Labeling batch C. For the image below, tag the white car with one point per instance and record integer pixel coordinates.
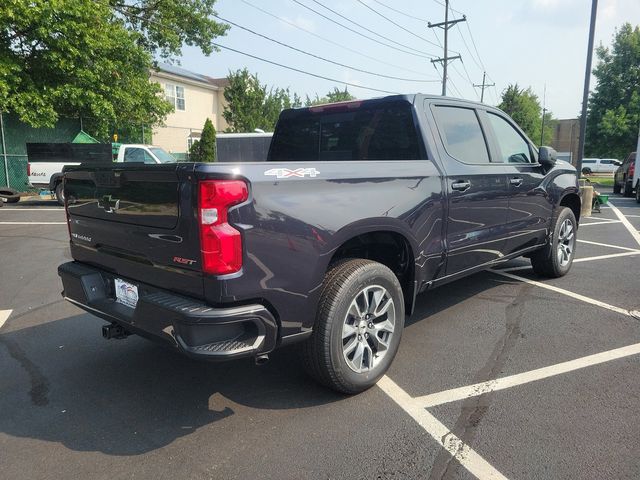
(48, 175)
(600, 165)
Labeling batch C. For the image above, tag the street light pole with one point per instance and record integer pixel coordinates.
(585, 93)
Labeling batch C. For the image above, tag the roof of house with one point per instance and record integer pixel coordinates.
(181, 72)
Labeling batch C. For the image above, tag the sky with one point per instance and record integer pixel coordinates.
(534, 43)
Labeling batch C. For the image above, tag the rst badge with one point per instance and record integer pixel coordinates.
(288, 173)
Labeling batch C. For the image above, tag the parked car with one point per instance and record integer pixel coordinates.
(625, 179)
(599, 165)
(47, 161)
(360, 206)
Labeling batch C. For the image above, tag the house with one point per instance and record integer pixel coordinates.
(565, 139)
(195, 98)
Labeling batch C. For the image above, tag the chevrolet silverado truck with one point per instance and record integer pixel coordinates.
(360, 207)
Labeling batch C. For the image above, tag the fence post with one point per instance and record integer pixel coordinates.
(4, 151)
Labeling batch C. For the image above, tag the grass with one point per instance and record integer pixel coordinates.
(601, 181)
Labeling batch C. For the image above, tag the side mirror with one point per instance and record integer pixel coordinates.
(547, 157)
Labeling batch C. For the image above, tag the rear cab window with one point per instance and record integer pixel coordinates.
(350, 131)
(461, 133)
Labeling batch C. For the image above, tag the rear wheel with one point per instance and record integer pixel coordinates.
(616, 187)
(9, 195)
(358, 326)
(627, 189)
(555, 259)
(586, 171)
(60, 194)
(638, 191)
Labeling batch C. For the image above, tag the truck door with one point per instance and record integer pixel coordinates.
(529, 206)
(477, 190)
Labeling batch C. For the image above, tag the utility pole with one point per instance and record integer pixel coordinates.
(446, 25)
(544, 112)
(585, 93)
(483, 86)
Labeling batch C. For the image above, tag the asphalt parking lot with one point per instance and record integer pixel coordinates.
(498, 375)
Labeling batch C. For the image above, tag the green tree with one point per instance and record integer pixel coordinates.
(204, 150)
(335, 95)
(614, 105)
(91, 58)
(252, 105)
(524, 107)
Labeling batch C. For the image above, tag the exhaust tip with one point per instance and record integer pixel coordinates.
(262, 359)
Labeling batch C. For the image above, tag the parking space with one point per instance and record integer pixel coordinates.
(498, 375)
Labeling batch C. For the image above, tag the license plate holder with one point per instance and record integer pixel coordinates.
(126, 293)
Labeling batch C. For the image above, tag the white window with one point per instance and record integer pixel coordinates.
(174, 95)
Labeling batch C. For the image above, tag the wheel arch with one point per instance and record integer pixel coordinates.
(572, 200)
(384, 242)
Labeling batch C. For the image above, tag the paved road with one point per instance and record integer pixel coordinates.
(73, 405)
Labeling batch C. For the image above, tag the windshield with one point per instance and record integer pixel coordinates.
(164, 157)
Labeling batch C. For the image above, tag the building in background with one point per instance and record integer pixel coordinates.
(565, 139)
(195, 98)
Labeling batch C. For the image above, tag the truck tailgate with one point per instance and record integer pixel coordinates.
(136, 221)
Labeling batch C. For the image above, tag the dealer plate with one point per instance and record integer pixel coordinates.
(126, 293)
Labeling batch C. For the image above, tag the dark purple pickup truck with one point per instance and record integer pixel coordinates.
(360, 207)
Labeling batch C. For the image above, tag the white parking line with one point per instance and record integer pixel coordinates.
(562, 291)
(461, 393)
(582, 224)
(4, 316)
(600, 219)
(603, 257)
(632, 230)
(464, 454)
(33, 223)
(5, 209)
(608, 245)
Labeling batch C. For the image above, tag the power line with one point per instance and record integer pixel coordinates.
(401, 13)
(421, 54)
(302, 71)
(484, 85)
(341, 46)
(464, 67)
(322, 58)
(395, 23)
(363, 27)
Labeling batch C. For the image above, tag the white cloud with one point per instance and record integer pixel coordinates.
(302, 22)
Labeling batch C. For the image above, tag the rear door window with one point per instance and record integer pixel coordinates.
(385, 131)
(461, 133)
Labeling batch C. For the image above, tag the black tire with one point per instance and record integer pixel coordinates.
(60, 194)
(9, 195)
(586, 171)
(638, 192)
(616, 187)
(323, 353)
(627, 190)
(546, 261)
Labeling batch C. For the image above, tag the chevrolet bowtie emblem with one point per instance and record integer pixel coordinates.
(109, 204)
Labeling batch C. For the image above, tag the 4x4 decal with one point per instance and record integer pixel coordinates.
(288, 173)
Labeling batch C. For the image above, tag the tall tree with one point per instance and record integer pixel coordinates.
(335, 95)
(614, 105)
(252, 105)
(204, 150)
(92, 58)
(524, 107)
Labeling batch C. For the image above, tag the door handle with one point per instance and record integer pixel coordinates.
(516, 182)
(461, 185)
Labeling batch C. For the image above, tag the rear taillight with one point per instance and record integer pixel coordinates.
(632, 169)
(220, 243)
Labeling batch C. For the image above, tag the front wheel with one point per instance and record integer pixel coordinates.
(358, 326)
(60, 193)
(554, 259)
(627, 189)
